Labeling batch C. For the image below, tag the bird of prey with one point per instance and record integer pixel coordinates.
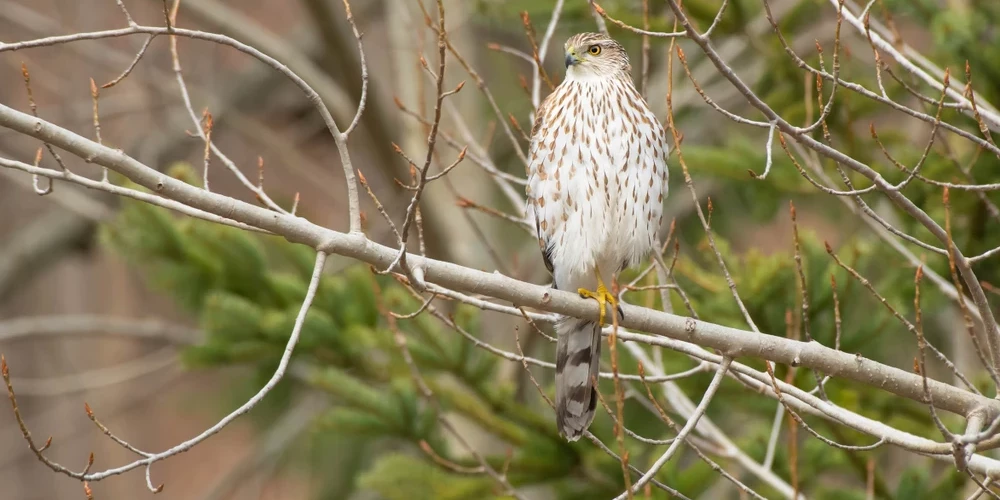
(597, 176)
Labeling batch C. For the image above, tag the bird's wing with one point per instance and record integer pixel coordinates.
(539, 116)
(543, 241)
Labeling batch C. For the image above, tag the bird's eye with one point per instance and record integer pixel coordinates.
(594, 49)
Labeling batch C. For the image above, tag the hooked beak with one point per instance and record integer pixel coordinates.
(571, 58)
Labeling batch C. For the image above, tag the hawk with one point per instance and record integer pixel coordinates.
(597, 176)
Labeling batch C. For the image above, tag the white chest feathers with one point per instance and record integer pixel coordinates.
(597, 177)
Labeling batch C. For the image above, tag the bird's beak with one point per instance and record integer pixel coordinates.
(571, 58)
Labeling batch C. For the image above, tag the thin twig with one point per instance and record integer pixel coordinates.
(135, 61)
(688, 427)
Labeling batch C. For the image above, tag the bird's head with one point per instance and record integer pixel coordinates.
(595, 55)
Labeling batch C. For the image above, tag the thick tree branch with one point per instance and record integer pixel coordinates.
(729, 341)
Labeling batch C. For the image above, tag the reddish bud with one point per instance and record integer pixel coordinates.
(208, 121)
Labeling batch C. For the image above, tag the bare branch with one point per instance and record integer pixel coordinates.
(688, 427)
(733, 341)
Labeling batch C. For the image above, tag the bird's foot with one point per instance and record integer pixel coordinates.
(603, 298)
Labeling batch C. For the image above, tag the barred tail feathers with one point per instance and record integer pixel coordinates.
(578, 359)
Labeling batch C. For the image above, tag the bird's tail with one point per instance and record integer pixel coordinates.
(578, 359)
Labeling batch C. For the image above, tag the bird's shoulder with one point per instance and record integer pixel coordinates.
(541, 114)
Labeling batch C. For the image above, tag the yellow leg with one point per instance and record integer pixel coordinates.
(602, 296)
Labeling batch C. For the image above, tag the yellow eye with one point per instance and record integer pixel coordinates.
(594, 49)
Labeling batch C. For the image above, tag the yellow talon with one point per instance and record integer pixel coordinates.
(602, 296)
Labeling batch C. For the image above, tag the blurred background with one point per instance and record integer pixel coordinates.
(163, 325)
